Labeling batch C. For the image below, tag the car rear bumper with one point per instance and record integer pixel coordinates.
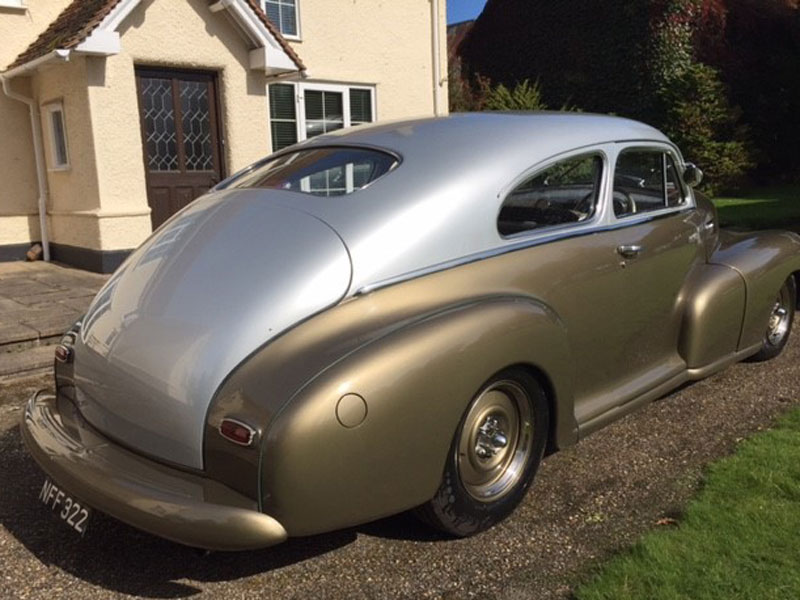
(164, 501)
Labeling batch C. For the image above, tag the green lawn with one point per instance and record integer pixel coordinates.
(764, 208)
(740, 538)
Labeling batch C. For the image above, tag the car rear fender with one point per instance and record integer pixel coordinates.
(323, 467)
(765, 260)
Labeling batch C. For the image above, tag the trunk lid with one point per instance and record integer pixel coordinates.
(213, 284)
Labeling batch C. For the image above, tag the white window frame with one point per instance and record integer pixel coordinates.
(344, 89)
(49, 109)
(15, 4)
(341, 88)
(297, 37)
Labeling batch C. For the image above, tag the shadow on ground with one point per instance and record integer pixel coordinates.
(122, 559)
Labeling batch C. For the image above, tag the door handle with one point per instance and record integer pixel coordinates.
(629, 250)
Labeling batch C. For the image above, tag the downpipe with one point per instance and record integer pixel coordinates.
(437, 62)
(36, 133)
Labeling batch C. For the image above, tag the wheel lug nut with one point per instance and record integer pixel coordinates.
(499, 440)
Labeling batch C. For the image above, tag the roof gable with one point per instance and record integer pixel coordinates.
(90, 26)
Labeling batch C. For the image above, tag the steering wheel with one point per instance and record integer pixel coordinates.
(624, 204)
(584, 205)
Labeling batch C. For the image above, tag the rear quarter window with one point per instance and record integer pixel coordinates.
(330, 171)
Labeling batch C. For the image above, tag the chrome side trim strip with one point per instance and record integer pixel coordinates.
(520, 245)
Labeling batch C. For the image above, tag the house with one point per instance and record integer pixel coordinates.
(114, 114)
(456, 32)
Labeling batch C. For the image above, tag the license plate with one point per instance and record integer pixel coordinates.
(74, 513)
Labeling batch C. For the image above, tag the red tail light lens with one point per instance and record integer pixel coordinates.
(237, 432)
(63, 353)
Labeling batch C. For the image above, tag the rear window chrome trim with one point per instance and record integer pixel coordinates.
(306, 146)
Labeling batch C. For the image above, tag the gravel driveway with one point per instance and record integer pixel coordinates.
(587, 503)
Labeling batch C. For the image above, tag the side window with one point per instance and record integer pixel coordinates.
(59, 156)
(644, 181)
(564, 193)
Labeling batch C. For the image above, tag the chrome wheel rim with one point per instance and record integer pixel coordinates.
(778, 324)
(496, 441)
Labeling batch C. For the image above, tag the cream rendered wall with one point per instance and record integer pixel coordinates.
(178, 35)
(72, 190)
(18, 221)
(18, 194)
(383, 42)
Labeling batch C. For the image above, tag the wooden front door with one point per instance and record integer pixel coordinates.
(180, 133)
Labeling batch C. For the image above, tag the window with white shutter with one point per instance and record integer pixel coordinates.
(283, 115)
(299, 111)
(284, 15)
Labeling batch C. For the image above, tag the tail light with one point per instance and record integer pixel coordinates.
(237, 432)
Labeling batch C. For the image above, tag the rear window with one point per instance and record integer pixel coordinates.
(320, 171)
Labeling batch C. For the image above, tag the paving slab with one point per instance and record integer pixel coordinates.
(7, 305)
(56, 296)
(12, 333)
(26, 361)
(38, 302)
(19, 288)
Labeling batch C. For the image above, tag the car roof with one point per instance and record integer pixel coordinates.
(461, 134)
(441, 203)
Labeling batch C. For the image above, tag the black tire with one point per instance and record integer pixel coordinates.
(780, 324)
(464, 504)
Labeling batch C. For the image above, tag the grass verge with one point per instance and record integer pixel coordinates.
(740, 538)
(765, 208)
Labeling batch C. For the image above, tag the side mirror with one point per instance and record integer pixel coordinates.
(692, 175)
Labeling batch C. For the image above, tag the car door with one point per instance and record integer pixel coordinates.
(611, 270)
(655, 233)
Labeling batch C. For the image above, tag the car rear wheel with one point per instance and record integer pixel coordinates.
(779, 325)
(494, 455)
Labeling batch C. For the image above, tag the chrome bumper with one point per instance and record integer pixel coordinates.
(164, 501)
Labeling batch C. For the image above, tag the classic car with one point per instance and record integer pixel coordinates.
(402, 316)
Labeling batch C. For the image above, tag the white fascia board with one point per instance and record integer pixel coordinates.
(120, 12)
(104, 40)
(13, 4)
(101, 43)
(262, 59)
(28, 67)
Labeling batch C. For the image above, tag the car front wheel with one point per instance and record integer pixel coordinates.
(779, 324)
(494, 455)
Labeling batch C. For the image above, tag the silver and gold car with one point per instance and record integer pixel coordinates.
(401, 316)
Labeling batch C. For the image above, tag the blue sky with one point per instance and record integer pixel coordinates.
(463, 10)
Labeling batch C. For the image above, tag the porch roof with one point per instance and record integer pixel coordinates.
(82, 17)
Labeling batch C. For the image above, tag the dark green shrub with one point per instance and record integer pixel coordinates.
(700, 120)
(523, 96)
(690, 102)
